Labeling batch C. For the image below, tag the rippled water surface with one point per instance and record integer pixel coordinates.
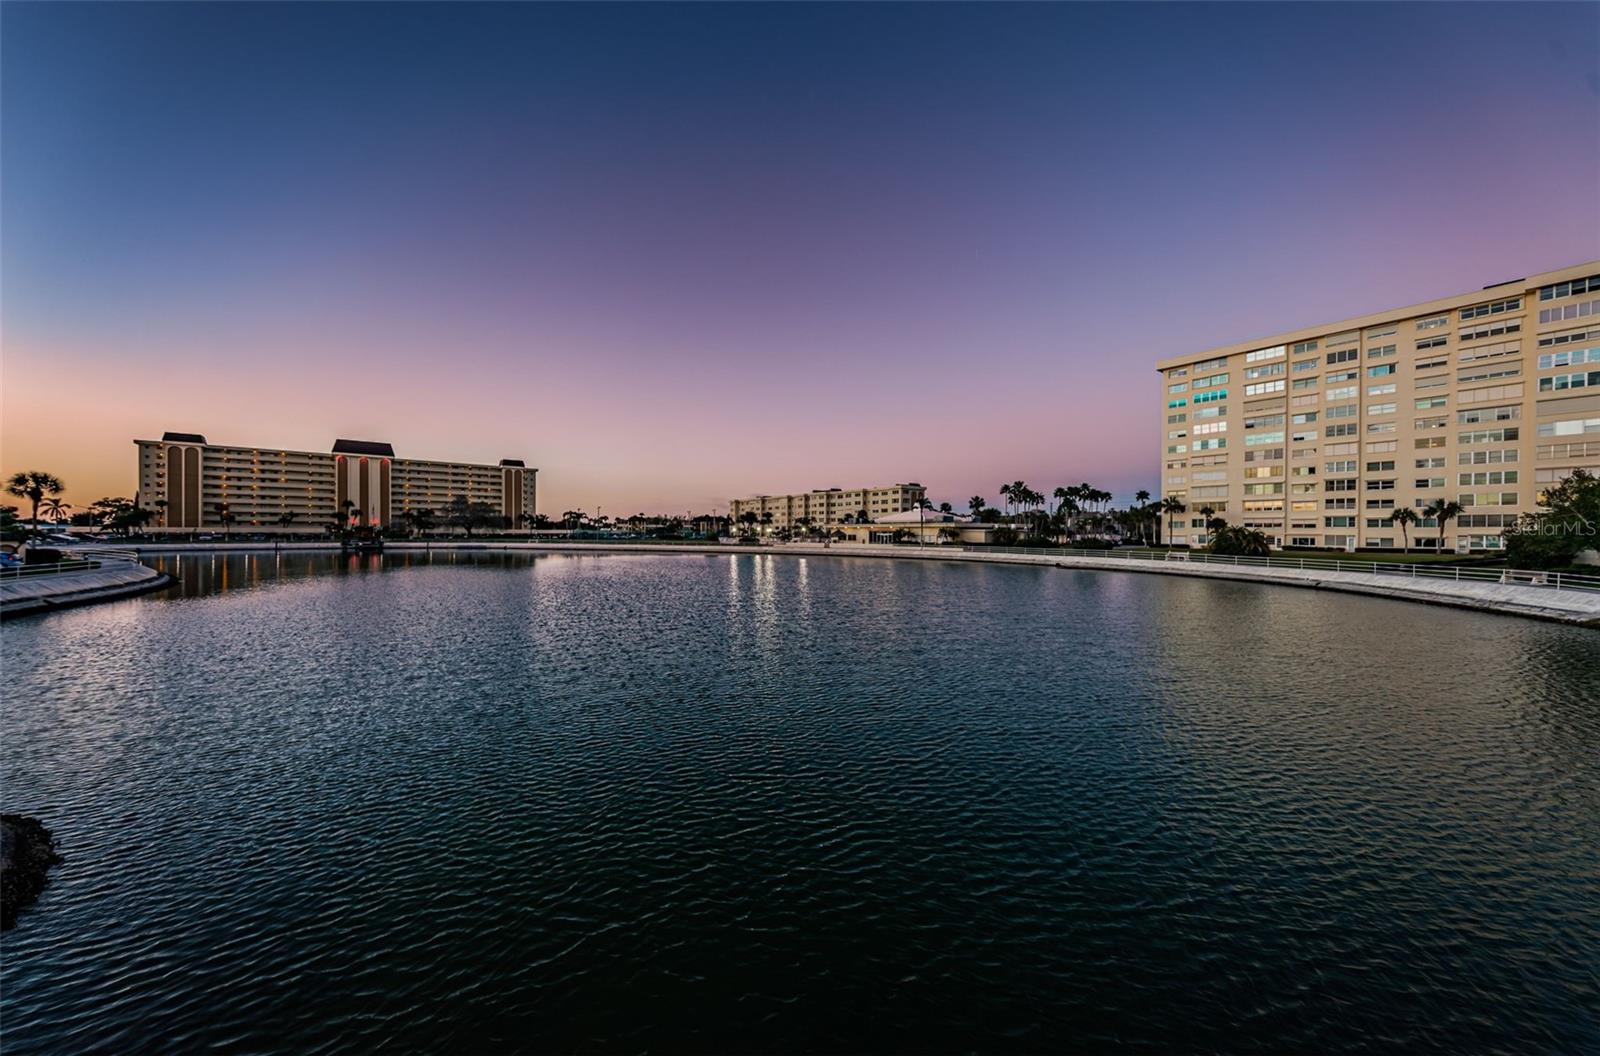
(775, 803)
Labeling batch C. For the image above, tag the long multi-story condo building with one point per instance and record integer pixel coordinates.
(1315, 437)
(829, 505)
(188, 483)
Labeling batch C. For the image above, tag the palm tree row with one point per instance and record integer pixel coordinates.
(1079, 510)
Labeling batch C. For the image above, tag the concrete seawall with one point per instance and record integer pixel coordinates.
(1514, 599)
(27, 595)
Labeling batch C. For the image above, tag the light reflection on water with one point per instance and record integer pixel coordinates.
(758, 802)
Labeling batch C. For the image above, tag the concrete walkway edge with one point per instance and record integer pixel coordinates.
(28, 595)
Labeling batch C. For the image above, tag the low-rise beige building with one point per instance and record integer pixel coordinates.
(187, 483)
(924, 527)
(828, 506)
(1316, 436)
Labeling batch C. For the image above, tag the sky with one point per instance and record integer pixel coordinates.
(672, 254)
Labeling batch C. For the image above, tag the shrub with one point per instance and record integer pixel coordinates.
(1572, 524)
(1238, 542)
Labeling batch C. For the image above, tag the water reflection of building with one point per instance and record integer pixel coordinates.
(186, 482)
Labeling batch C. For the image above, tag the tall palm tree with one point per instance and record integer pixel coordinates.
(977, 504)
(35, 486)
(161, 505)
(225, 516)
(923, 506)
(1443, 512)
(1066, 508)
(1170, 506)
(1405, 516)
(1005, 493)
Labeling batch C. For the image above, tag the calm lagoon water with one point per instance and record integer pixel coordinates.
(766, 803)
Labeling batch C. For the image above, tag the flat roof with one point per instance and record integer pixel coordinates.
(340, 447)
(363, 447)
(1361, 322)
(822, 491)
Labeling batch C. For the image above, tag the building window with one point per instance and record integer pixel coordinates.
(1580, 310)
(1569, 357)
(1567, 289)
(1492, 308)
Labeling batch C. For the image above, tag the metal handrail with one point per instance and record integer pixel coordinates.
(1524, 577)
(106, 553)
(51, 569)
(81, 559)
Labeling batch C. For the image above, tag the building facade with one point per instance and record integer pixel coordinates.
(1315, 437)
(188, 483)
(828, 505)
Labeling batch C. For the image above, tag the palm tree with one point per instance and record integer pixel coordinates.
(161, 504)
(287, 517)
(339, 520)
(977, 504)
(34, 485)
(55, 509)
(1142, 497)
(923, 505)
(1443, 512)
(1170, 506)
(1005, 493)
(1066, 506)
(1405, 516)
(225, 516)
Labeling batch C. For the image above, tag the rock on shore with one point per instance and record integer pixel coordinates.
(27, 852)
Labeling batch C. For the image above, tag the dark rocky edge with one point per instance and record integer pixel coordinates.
(27, 851)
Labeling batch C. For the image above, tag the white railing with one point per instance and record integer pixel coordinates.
(53, 568)
(80, 559)
(1376, 569)
(105, 553)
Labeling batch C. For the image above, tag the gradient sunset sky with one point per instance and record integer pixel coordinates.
(670, 254)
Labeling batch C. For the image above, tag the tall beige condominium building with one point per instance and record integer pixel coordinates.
(1316, 436)
(187, 482)
(829, 505)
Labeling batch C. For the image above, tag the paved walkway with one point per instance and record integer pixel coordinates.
(45, 593)
(1539, 602)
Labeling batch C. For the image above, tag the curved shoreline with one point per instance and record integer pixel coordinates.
(29, 596)
(1578, 608)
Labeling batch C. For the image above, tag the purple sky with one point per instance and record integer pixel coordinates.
(670, 254)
